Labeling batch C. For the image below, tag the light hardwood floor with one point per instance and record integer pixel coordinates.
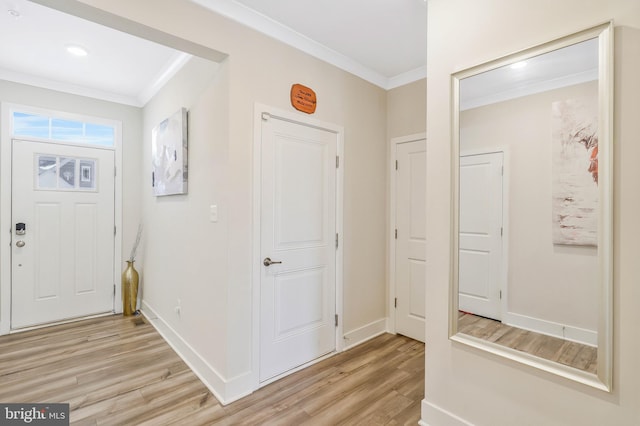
(119, 371)
(573, 354)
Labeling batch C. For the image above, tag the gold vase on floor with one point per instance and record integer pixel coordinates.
(129, 289)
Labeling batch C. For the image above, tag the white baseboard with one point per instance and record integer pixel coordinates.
(554, 329)
(433, 415)
(364, 333)
(225, 390)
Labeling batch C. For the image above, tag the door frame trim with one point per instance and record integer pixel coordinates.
(391, 246)
(6, 155)
(259, 110)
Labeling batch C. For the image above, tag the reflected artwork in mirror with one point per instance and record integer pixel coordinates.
(532, 180)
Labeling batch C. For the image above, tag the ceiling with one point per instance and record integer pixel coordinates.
(382, 41)
(33, 51)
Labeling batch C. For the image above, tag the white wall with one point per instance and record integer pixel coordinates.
(464, 383)
(131, 118)
(545, 281)
(184, 256)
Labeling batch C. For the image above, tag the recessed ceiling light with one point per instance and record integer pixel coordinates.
(77, 50)
(14, 13)
(518, 65)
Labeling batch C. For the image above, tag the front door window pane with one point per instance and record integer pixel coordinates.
(67, 173)
(87, 174)
(47, 173)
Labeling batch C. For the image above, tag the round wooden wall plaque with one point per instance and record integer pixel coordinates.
(303, 98)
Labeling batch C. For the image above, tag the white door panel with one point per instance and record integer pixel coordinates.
(62, 267)
(480, 256)
(410, 205)
(298, 226)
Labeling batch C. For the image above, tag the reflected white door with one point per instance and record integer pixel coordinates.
(481, 199)
(298, 229)
(62, 264)
(411, 178)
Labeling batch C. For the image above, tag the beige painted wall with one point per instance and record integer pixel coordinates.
(406, 112)
(260, 69)
(406, 109)
(545, 281)
(466, 384)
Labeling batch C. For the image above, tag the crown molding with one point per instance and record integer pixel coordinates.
(265, 25)
(74, 89)
(407, 77)
(171, 69)
(139, 100)
(530, 89)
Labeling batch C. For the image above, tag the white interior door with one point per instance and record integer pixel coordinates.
(410, 205)
(63, 232)
(298, 234)
(480, 257)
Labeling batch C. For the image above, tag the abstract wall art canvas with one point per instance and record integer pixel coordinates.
(169, 155)
(574, 127)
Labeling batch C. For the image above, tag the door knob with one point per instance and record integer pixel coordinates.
(268, 262)
(20, 243)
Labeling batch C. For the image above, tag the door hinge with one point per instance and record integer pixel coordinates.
(265, 116)
(501, 231)
(114, 230)
(115, 171)
(337, 237)
(336, 317)
(396, 233)
(396, 164)
(500, 294)
(395, 302)
(114, 291)
(337, 161)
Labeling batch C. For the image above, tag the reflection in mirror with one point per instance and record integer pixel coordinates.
(531, 236)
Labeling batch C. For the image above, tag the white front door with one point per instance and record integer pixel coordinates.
(480, 257)
(410, 234)
(298, 234)
(62, 232)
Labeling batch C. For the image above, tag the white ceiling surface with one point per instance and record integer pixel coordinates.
(382, 41)
(119, 68)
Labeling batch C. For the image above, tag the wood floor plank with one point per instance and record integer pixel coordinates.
(409, 416)
(338, 407)
(389, 406)
(119, 371)
(573, 354)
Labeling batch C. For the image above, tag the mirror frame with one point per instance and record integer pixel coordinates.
(603, 378)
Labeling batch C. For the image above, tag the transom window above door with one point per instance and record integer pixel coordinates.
(43, 126)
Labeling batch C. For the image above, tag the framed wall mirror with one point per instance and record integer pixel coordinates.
(532, 201)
